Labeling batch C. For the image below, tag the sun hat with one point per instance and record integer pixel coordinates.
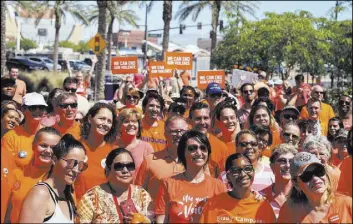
(292, 108)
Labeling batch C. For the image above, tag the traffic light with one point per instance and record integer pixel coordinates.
(199, 26)
(144, 47)
(181, 29)
(221, 25)
(211, 34)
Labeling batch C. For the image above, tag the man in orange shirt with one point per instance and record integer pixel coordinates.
(19, 140)
(21, 89)
(152, 128)
(163, 164)
(345, 181)
(200, 120)
(66, 108)
(314, 109)
(317, 92)
(345, 111)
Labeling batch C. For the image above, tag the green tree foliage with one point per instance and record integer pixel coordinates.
(27, 44)
(67, 44)
(11, 45)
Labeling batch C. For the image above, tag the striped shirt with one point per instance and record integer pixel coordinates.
(268, 193)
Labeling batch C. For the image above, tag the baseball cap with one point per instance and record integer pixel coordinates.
(293, 108)
(213, 88)
(301, 161)
(32, 99)
(6, 82)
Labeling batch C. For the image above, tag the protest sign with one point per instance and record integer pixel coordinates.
(206, 77)
(158, 69)
(124, 65)
(239, 77)
(179, 60)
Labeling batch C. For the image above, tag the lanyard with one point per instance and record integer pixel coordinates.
(117, 206)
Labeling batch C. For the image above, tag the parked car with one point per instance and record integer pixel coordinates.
(77, 65)
(24, 64)
(46, 62)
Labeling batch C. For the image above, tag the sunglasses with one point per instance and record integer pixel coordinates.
(244, 144)
(70, 90)
(193, 148)
(342, 102)
(248, 91)
(235, 172)
(287, 135)
(120, 166)
(132, 97)
(288, 117)
(71, 163)
(319, 92)
(216, 95)
(36, 107)
(318, 171)
(177, 131)
(65, 106)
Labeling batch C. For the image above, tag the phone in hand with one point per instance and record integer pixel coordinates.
(127, 207)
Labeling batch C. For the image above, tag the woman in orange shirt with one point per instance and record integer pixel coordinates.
(190, 94)
(181, 198)
(98, 133)
(239, 205)
(131, 99)
(312, 199)
(22, 180)
(10, 118)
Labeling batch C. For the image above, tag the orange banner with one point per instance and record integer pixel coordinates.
(206, 77)
(179, 60)
(158, 69)
(124, 65)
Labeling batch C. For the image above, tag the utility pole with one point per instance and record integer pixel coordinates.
(336, 10)
(145, 45)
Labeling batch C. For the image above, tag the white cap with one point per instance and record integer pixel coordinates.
(32, 99)
(278, 82)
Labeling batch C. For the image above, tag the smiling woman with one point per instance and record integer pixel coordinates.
(10, 118)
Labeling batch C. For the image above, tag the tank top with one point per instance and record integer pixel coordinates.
(58, 215)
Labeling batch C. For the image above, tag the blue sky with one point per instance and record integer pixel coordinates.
(190, 35)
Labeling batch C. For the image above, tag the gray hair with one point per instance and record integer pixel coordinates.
(281, 149)
(318, 140)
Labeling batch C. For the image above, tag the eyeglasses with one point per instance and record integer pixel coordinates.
(71, 163)
(287, 135)
(235, 172)
(120, 166)
(318, 171)
(263, 141)
(177, 131)
(72, 105)
(73, 90)
(244, 144)
(36, 107)
(216, 95)
(193, 148)
(319, 92)
(342, 102)
(129, 97)
(248, 91)
(288, 117)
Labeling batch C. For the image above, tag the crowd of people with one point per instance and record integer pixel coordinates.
(163, 151)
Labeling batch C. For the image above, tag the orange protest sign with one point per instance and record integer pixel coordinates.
(124, 65)
(179, 60)
(158, 69)
(206, 77)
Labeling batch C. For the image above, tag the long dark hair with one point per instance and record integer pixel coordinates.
(254, 110)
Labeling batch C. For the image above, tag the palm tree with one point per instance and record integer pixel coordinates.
(339, 7)
(167, 17)
(191, 7)
(115, 13)
(58, 10)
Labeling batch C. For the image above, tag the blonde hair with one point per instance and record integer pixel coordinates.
(129, 113)
(130, 91)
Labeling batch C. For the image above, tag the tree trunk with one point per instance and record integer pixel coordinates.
(3, 33)
(216, 8)
(102, 27)
(56, 40)
(109, 44)
(167, 17)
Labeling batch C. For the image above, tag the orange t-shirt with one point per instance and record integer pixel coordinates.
(225, 209)
(218, 151)
(345, 180)
(16, 141)
(325, 115)
(94, 175)
(74, 130)
(340, 211)
(231, 149)
(183, 201)
(22, 182)
(154, 135)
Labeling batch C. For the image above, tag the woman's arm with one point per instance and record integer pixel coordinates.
(34, 207)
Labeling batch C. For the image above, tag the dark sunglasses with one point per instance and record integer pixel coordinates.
(120, 166)
(288, 116)
(319, 92)
(72, 105)
(289, 134)
(244, 144)
(70, 90)
(193, 148)
(342, 102)
(218, 95)
(36, 107)
(235, 171)
(71, 163)
(132, 97)
(248, 91)
(318, 171)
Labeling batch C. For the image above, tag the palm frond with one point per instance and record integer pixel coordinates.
(186, 9)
